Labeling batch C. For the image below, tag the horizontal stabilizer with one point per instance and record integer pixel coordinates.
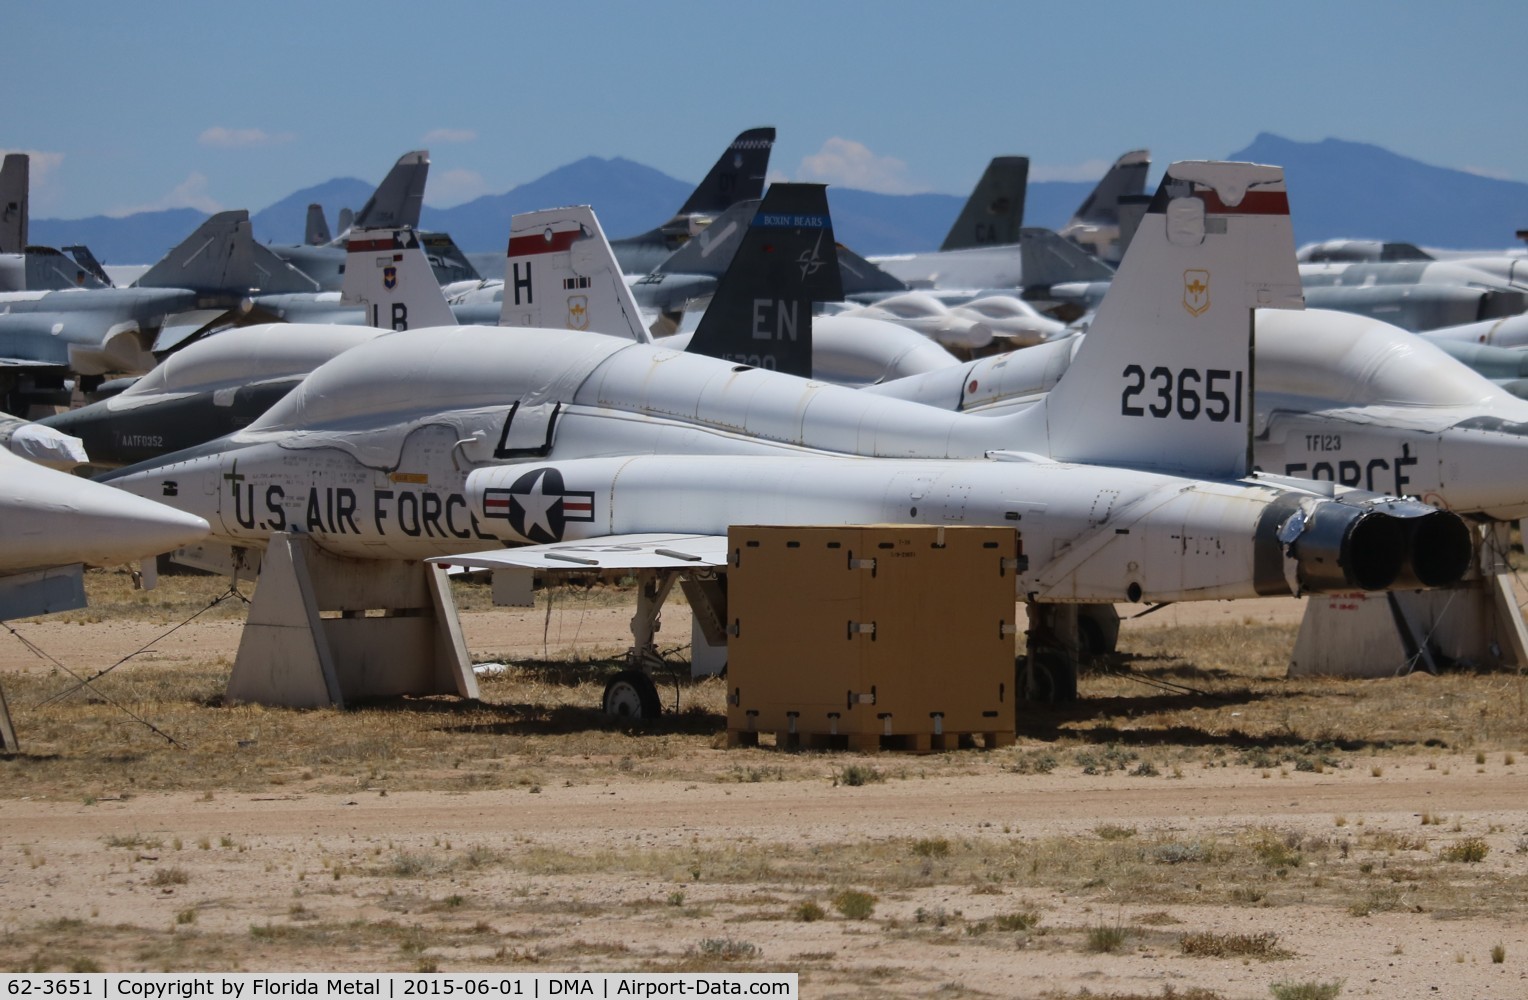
(180, 328)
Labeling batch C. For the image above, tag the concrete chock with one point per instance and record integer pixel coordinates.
(291, 654)
(1386, 635)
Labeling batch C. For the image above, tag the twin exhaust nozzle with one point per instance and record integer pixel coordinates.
(1376, 544)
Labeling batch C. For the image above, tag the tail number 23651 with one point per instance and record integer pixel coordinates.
(1214, 393)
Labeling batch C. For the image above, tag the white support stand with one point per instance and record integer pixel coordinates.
(8, 742)
(396, 631)
(653, 588)
(1476, 622)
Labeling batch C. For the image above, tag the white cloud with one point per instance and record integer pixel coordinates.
(42, 193)
(42, 164)
(189, 193)
(450, 135)
(1488, 173)
(852, 164)
(237, 138)
(1087, 170)
(452, 187)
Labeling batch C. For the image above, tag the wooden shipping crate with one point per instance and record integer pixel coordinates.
(871, 631)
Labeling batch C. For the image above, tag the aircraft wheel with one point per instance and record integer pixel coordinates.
(631, 694)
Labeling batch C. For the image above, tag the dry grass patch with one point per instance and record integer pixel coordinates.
(1205, 944)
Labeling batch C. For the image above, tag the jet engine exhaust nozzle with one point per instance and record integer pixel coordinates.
(1439, 546)
(1385, 545)
(1348, 548)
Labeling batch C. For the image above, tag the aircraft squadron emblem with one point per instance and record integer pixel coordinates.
(390, 277)
(1196, 291)
(537, 505)
(578, 312)
(811, 261)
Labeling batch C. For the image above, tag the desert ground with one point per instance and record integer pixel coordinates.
(1197, 826)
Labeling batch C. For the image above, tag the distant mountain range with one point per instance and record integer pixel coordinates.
(1337, 189)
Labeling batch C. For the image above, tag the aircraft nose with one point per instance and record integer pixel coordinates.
(124, 528)
(58, 519)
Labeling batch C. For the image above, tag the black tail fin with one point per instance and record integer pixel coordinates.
(14, 180)
(995, 211)
(397, 201)
(736, 176)
(761, 314)
(316, 233)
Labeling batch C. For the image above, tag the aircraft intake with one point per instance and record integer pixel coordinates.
(1370, 543)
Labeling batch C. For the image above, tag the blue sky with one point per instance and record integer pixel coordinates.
(134, 105)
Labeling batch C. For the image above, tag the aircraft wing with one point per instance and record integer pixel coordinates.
(644, 551)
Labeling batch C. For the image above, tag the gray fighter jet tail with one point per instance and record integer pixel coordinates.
(316, 232)
(761, 314)
(13, 202)
(397, 201)
(49, 270)
(1047, 259)
(222, 258)
(994, 213)
(84, 258)
(1105, 220)
(1126, 177)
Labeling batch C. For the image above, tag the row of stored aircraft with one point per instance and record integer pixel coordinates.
(582, 447)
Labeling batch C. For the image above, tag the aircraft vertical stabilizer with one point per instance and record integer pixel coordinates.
(561, 274)
(397, 201)
(14, 176)
(222, 258)
(994, 213)
(761, 313)
(1164, 378)
(316, 232)
(1126, 177)
(388, 276)
(736, 175)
